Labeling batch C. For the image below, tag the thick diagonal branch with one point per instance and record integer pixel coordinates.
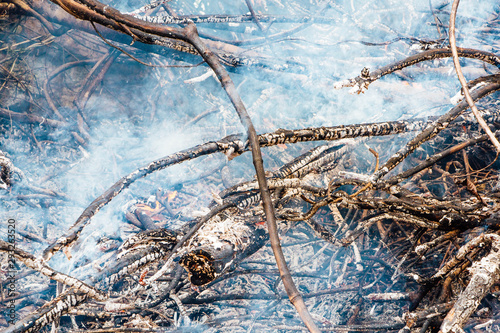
(230, 88)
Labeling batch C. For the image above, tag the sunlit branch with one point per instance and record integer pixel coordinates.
(463, 82)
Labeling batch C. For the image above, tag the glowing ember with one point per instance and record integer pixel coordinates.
(171, 196)
(147, 208)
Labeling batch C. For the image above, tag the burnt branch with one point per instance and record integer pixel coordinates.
(233, 146)
(483, 274)
(361, 83)
(48, 313)
(291, 289)
(224, 19)
(431, 131)
(35, 264)
(463, 82)
(31, 118)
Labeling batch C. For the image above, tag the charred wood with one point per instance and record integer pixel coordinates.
(361, 83)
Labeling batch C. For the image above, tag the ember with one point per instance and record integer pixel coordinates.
(378, 208)
(171, 196)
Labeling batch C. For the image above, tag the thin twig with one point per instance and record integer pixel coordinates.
(461, 78)
(254, 15)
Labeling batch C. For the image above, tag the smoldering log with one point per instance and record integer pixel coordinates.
(222, 243)
(137, 252)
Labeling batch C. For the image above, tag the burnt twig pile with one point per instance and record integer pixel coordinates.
(401, 217)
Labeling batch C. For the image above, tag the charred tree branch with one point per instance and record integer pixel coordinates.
(463, 82)
(233, 146)
(30, 261)
(431, 131)
(230, 89)
(360, 84)
(484, 273)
